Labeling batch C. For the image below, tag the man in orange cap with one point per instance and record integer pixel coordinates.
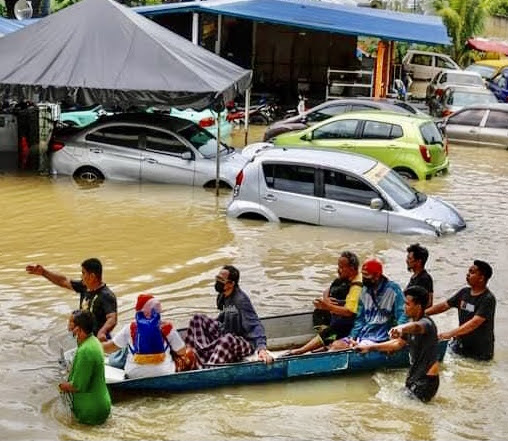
(381, 307)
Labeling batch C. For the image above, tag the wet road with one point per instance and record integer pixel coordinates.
(170, 241)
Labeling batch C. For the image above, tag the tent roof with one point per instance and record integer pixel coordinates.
(488, 45)
(102, 51)
(320, 16)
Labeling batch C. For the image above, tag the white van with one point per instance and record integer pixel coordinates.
(422, 65)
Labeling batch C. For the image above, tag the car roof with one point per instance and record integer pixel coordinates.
(354, 162)
(493, 63)
(460, 72)
(417, 51)
(467, 88)
(384, 116)
(492, 106)
(142, 118)
(387, 103)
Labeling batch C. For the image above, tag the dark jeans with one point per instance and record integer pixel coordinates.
(424, 388)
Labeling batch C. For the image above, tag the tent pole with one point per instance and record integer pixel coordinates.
(195, 27)
(246, 114)
(217, 161)
(218, 42)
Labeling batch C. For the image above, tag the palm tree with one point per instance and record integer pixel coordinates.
(464, 19)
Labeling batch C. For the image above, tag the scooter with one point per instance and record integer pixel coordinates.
(258, 114)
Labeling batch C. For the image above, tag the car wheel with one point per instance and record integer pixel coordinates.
(88, 175)
(222, 184)
(406, 173)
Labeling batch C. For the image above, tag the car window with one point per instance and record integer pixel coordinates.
(430, 133)
(443, 79)
(444, 63)
(497, 120)
(200, 138)
(500, 80)
(122, 136)
(484, 71)
(381, 130)
(345, 188)
(467, 118)
(163, 142)
(326, 112)
(460, 98)
(400, 191)
(291, 178)
(422, 59)
(406, 106)
(465, 79)
(344, 129)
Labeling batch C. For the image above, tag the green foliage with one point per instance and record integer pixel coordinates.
(464, 19)
(3, 9)
(498, 7)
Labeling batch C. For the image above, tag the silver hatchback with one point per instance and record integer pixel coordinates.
(146, 147)
(336, 189)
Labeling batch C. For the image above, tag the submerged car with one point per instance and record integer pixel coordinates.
(337, 107)
(410, 144)
(455, 98)
(336, 189)
(481, 125)
(488, 69)
(146, 147)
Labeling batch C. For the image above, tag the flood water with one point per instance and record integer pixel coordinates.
(171, 241)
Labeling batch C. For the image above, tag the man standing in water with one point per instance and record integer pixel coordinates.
(416, 259)
(476, 306)
(91, 403)
(94, 295)
(420, 334)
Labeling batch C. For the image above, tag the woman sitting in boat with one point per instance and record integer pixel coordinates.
(150, 343)
(235, 334)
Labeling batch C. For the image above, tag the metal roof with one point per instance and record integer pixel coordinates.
(318, 15)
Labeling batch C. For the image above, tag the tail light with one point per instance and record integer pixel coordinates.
(424, 151)
(446, 112)
(54, 146)
(439, 92)
(207, 122)
(239, 178)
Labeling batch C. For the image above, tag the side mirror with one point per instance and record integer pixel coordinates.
(376, 204)
(187, 156)
(307, 137)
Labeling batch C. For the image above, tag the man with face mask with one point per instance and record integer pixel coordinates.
(381, 307)
(236, 333)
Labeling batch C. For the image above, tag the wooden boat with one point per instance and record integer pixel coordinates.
(283, 332)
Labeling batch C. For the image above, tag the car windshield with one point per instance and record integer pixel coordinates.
(484, 71)
(398, 189)
(201, 139)
(468, 98)
(430, 133)
(464, 79)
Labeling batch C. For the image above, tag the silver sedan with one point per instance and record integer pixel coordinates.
(483, 125)
(146, 147)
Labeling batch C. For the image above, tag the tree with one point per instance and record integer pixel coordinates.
(463, 19)
(499, 7)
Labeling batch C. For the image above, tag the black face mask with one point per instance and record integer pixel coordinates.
(369, 283)
(219, 287)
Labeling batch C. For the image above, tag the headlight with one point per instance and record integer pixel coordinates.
(440, 227)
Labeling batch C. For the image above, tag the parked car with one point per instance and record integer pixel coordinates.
(143, 146)
(499, 86)
(336, 189)
(447, 78)
(423, 65)
(488, 69)
(481, 125)
(81, 117)
(456, 97)
(412, 145)
(336, 107)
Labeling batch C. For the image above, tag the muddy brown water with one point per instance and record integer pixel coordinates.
(170, 241)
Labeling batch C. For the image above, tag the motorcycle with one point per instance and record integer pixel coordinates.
(263, 113)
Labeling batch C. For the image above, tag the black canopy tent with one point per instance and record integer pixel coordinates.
(99, 51)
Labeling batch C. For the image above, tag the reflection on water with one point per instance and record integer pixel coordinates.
(170, 241)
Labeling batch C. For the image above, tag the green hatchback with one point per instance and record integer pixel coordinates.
(410, 144)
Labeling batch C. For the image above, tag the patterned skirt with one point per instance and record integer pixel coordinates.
(211, 345)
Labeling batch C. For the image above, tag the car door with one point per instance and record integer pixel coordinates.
(380, 140)
(494, 132)
(113, 149)
(336, 134)
(463, 127)
(289, 192)
(166, 158)
(345, 202)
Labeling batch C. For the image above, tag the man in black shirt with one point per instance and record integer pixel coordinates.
(476, 306)
(420, 334)
(416, 259)
(94, 295)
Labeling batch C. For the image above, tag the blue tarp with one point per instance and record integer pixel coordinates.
(320, 16)
(7, 26)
